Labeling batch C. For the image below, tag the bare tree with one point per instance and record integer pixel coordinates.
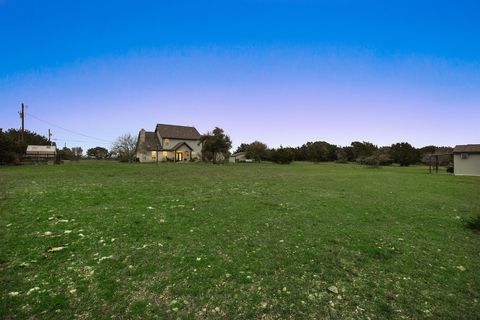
(77, 153)
(124, 147)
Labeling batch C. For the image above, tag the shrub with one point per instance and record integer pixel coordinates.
(375, 160)
(474, 223)
(11, 157)
(371, 161)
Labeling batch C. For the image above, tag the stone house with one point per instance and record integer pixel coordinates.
(169, 143)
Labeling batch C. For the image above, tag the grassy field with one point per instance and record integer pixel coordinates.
(101, 240)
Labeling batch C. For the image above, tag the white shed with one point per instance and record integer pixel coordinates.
(466, 160)
(37, 153)
(238, 157)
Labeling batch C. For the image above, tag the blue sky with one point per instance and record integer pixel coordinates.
(284, 72)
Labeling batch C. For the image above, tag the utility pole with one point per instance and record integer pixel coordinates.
(22, 115)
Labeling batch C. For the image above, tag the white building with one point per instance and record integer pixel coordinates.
(238, 157)
(40, 154)
(466, 160)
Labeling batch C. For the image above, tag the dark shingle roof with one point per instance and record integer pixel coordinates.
(151, 141)
(467, 148)
(177, 132)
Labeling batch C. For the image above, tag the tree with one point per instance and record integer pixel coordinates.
(97, 152)
(282, 155)
(77, 153)
(317, 151)
(256, 150)
(242, 148)
(124, 147)
(404, 154)
(362, 149)
(342, 156)
(349, 153)
(444, 158)
(215, 145)
(7, 149)
(65, 154)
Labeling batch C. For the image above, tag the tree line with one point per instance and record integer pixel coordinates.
(216, 146)
(363, 152)
(13, 144)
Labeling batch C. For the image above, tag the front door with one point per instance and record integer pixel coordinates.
(178, 156)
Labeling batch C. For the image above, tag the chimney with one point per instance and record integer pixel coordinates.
(142, 136)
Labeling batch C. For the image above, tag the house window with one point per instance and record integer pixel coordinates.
(166, 142)
(464, 156)
(154, 154)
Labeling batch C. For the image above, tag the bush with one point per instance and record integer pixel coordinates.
(9, 157)
(376, 160)
(370, 161)
(282, 155)
(474, 223)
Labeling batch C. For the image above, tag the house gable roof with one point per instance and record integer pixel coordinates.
(168, 131)
(151, 141)
(467, 148)
(177, 146)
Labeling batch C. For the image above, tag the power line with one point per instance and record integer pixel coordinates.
(68, 130)
(82, 141)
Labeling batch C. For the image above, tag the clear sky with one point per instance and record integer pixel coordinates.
(283, 72)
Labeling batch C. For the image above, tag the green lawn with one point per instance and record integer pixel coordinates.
(237, 241)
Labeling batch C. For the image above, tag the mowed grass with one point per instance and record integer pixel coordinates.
(249, 241)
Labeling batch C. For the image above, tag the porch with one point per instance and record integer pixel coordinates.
(181, 152)
(175, 156)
